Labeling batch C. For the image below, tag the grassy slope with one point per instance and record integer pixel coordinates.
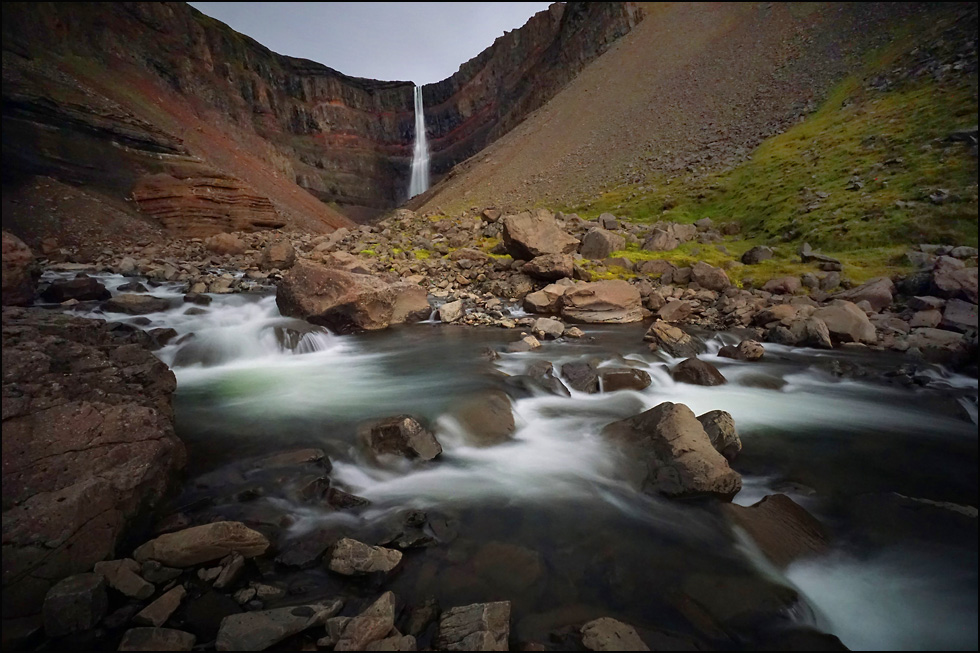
(894, 142)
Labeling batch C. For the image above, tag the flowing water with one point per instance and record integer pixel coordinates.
(420, 156)
(545, 519)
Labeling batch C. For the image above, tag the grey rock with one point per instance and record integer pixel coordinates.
(402, 435)
(257, 631)
(720, 427)
(476, 627)
(123, 576)
(352, 558)
(74, 604)
(157, 639)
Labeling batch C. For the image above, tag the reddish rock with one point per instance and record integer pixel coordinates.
(225, 244)
(278, 255)
(19, 272)
(783, 285)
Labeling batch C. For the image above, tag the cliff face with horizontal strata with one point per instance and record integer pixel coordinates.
(105, 95)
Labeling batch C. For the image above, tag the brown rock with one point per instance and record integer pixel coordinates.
(526, 236)
(602, 302)
(258, 630)
(225, 244)
(476, 627)
(546, 300)
(157, 639)
(550, 267)
(782, 529)
(132, 304)
(157, 613)
(74, 604)
(599, 244)
(278, 255)
(783, 285)
(672, 340)
(352, 558)
(370, 626)
(486, 417)
(674, 311)
(608, 634)
(951, 278)
(623, 379)
(81, 288)
(710, 277)
(720, 427)
(402, 435)
(660, 241)
(960, 315)
(19, 272)
(193, 546)
(697, 372)
(123, 576)
(846, 322)
(878, 293)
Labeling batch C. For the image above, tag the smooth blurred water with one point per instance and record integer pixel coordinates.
(546, 520)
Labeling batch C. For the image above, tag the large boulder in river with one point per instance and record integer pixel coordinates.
(846, 322)
(486, 418)
(602, 302)
(672, 340)
(402, 435)
(720, 427)
(527, 236)
(667, 451)
(199, 544)
(353, 558)
(782, 528)
(697, 372)
(19, 272)
(80, 458)
(348, 302)
(599, 244)
(877, 292)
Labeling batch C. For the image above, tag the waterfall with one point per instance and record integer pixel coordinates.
(420, 158)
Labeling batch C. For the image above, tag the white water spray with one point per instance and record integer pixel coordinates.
(420, 158)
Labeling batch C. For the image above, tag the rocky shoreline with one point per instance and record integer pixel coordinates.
(204, 585)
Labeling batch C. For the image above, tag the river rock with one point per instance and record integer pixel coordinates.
(782, 529)
(749, 350)
(720, 427)
(526, 237)
(225, 244)
(667, 451)
(550, 267)
(81, 288)
(352, 558)
(960, 315)
(546, 300)
(132, 304)
(199, 544)
(157, 613)
(547, 328)
(624, 378)
(602, 302)
(476, 627)
(581, 376)
(402, 435)
(811, 332)
(878, 293)
(486, 417)
(257, 631)
(674, 341)
(846, 322)
(757, 255)
(394, 643)
(710, 277)
(599, 244)
(451, 311)
(606, 634)
(123, 576)
(278, 255)
(81, 457)
(157, 639)
(371, 625)
(19, 271)
(697, 372)
(347, 302)
(75, 604)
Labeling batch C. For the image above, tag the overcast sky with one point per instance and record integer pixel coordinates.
(423, 42)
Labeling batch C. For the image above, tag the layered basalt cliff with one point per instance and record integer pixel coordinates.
(106, 94)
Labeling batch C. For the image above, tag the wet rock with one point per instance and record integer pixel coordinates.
(123, 576)
(547, 328)
(306, 550)
(372, 625)
(599, 244)
(402, 435)
(231, 570)
(710, 277)
(527, 343)
(747, 350)
(131, 286)
(394, 643)
(526, 237)
(541, 375)
(75, 604)
(352, 558)
(720, 427)
(667, 451)
(583, 377)
(19, 272)
(486, 417)
(846, 322)
(157, 613)
(782, 529)
(671, 340)
(197, 298)
(606, 634)
(81, 288)
(550, 267)
(757, 255)
(257, 631)
(135, 304)
(614, 379)
(278, 255)
(602, 302)
(476, 627)
(451, 311)
(960, 316)
(193, 546)
(511, 568)
(697, 372)
(421, 617)
(811, 332)
(157, 639)
(293, 458)
(878, 293)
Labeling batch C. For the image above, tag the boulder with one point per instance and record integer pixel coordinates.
(75, 604)
(81, 288)
(602, 302)
(674, 310)
(624, 378)
(811, 332)
(157, 613)
(846, 322)
(352, 558)
(782, 529)
(257, 631)
(710, 277)
(757, 255)
(600, 244)
(348, 302)
(135, 304)
(930, 319)
(451, 311)
(750, 350)
(672, 340)
(878, 293)
(199, 544)
(81, 458)
(807, 254)
(526, 237)
(783, 285)
(19, 271)
(608, 221)
(371, 625)
(785, 314)
(225, 244)
(124, 577)
(697, 372)
(486, 417)
(581, 376)
(720, 427)
(157, 639)
(402, 435)
(547, 328)
(658, 269)
(951, 278)
(278, 255)
(960, 315)
(546, 300)
(476, 627)
(606, 634)
(667, 451)
(660, 241)
(550, 267)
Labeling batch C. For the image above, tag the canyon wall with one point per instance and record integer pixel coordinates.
(104, 95)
